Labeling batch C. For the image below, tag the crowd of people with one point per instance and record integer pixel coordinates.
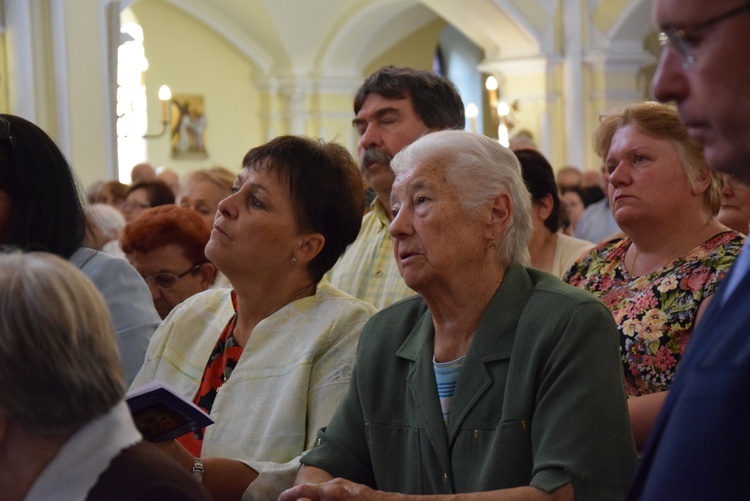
(483, 328)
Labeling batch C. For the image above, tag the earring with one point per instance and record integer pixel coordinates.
(294, 259)
(492, 245)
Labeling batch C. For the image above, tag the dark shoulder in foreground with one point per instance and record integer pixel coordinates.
(144, 473)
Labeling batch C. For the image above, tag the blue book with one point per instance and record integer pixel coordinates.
(160, 413)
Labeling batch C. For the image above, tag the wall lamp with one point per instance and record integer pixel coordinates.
(165, 94)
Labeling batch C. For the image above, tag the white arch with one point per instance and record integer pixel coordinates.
(370, 32)
(634, 22)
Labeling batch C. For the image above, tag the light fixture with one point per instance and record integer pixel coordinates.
(165, 94)
(502, 112)
(471, 113)
(492, 85)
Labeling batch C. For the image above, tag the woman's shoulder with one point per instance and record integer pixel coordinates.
(94, 263)
(327, 296)
(410, 307)
(601, 259)
(552, 291)
(718, 253)
(567, 242)
(728, 241)
(203, 307)
(399, 318)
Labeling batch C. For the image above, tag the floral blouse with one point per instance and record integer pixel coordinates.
(654, 313)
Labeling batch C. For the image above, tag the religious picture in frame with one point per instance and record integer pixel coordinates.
(188, 126)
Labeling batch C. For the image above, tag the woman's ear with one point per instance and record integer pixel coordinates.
(702, 182)
(310, 247)
(499, 216)
(545, 206)
(208, 273)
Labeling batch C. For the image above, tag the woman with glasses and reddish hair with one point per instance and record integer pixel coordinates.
(41, 208)
(165, 244)
(659, 278)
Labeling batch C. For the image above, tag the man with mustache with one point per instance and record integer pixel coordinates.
(393, 108)
(699, 447)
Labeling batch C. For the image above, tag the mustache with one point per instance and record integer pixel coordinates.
(374, 155)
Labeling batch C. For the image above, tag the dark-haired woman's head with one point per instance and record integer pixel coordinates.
(298, 201)
(40, 203)
(540, 180)
(144, 195)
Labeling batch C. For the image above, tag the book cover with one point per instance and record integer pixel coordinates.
(160, 413)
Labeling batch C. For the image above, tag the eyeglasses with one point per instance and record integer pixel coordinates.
(134, 205)
(684, 40)
(168, 280)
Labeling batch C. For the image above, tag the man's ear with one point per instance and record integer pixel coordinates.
(310, 247)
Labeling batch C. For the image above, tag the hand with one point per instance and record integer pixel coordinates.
(173, 449)
(337, 489)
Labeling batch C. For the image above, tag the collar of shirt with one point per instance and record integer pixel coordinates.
(85, 455)
(380, 213)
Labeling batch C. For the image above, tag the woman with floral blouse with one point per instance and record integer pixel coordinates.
(658, 278)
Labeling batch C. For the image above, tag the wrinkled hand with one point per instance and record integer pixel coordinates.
(337, 489)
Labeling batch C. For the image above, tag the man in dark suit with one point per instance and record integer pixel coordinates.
(700, 445)
(65, 431)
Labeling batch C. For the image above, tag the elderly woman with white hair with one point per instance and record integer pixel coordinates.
(496, 377)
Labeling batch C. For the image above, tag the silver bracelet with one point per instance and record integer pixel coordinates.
(198, 469)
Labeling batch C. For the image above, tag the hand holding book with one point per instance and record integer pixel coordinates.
(161, 413)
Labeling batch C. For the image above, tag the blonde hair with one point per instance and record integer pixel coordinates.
(59, 364)
(662, 121)
(220, 176)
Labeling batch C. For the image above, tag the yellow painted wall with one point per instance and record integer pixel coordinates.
(335, 117)
(416, 51)
(193, 59)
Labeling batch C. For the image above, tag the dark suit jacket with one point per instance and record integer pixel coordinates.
(700, 445)
(144, 473)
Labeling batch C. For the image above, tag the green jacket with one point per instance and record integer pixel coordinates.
(539, 400)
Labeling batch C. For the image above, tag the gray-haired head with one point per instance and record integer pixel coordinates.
(59, 365)
(481, 169)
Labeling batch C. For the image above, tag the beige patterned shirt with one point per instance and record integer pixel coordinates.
(368, 270)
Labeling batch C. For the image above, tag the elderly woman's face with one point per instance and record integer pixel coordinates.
(135, 204)
(435, 239)
(203, 197)
(573, 205)
(647, 180)
(735, 204)
(170, 275)
(255, 232)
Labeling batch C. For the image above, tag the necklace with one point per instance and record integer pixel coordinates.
(691, 245)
